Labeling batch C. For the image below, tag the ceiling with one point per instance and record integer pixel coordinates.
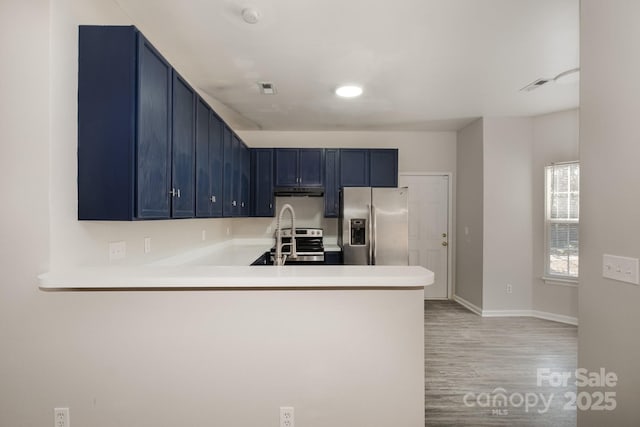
(423, 64)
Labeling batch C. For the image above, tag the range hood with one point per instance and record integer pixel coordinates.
(298, 191)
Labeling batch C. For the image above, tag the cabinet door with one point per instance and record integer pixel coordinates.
(354, 168)
(311, 167)
(228, 197)
(216, 163)
(383, 167)
(107, 64)
(262, 182)
(286, 167)
(154, 133)
(203, 171)
(237, 174)
(183, 149)
(245, 184)
(331, 183)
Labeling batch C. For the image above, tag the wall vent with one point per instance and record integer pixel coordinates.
(535, 85)
(267, 88)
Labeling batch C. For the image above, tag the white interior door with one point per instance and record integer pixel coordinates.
(429, 228)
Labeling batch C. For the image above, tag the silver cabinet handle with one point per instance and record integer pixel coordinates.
(173, 192)
(242, 205)
(233, 203)
(213, 199)
(178, 193)
(270, 205)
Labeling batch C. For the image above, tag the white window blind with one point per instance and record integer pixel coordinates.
(562, 215)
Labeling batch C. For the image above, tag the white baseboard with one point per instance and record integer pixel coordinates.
(516, 313)
(463, 302)
(555, 317)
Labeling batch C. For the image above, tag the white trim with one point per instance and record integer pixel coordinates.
(561, 318)
(531, 313)
(472, 307)
(506, 313)
(450, 228)
(555, 317)
(560, 282)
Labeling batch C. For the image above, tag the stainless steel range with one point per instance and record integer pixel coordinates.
(309, 246)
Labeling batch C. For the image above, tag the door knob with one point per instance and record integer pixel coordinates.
(444, 235)
(445, 244)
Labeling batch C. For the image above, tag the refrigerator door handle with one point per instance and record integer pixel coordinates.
(375, 235)
(370, 260)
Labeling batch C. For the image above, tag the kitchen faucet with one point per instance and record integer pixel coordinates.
(280, 258)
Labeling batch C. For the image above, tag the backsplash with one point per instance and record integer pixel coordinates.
(309, 213)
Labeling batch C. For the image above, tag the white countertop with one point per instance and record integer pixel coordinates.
(226, 266)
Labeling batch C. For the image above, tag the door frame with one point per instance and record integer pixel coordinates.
(450, 228)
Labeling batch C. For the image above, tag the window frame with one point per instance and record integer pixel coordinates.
(548, 276)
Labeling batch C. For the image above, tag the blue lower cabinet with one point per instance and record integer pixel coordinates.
(333, 258)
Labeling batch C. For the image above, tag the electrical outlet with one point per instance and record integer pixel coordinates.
(286, 416)
(117, 250)
(147, 245)
(204, 235)
(509, 288)
(228, 231)
(61, 417)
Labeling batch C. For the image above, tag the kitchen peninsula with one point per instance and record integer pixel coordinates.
(308, 337)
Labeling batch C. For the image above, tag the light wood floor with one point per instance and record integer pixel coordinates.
(466, 353)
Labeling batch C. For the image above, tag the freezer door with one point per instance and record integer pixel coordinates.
(356, 225)
(390, 226)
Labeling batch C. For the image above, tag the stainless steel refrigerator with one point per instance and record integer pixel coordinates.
(373, 226)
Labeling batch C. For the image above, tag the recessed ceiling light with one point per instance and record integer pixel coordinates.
(349, 91)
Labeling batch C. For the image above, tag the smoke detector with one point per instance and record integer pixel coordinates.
(250, 15)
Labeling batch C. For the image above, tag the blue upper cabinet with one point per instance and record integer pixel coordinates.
(354, 167)
(245, 181)
(124, 126)
(236, 183)
(383, 167)
(183, 143)
(286, 167)
(209, 162)
(331, 182)
(369, 167)
(295, 167)
(262, 200)
(229, 202)
(311, 167)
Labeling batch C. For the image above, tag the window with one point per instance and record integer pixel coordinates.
(562, 209)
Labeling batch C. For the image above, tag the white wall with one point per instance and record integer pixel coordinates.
(469, 223)
(609, 205)
(507, 213)
(555, 139)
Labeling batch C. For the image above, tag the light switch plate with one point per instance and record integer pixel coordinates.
(620, 268)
